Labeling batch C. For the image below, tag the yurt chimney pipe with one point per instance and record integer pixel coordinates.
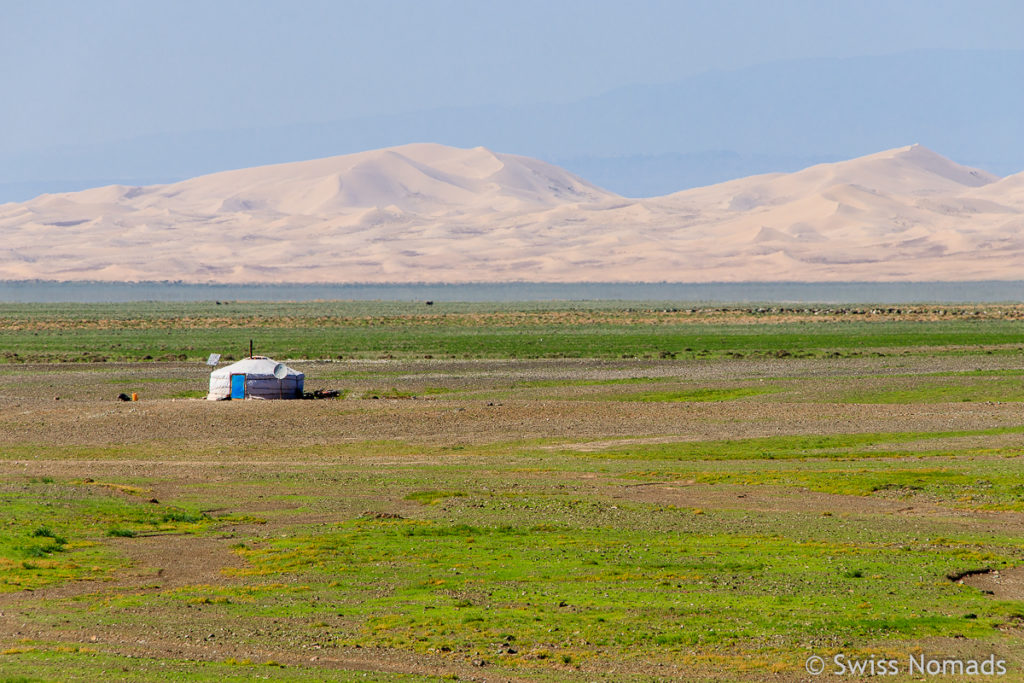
(250, 348)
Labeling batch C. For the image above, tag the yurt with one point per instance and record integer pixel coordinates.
(255, 377)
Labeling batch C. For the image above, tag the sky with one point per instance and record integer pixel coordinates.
(77, 72)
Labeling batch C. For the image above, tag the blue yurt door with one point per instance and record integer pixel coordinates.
(237, 386)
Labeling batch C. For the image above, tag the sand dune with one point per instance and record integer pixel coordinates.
(430, 213)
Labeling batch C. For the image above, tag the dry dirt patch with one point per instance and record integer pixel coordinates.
(1003, 584)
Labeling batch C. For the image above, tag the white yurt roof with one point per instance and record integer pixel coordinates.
(255, 367)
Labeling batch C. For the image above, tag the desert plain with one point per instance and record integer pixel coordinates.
(535, 492)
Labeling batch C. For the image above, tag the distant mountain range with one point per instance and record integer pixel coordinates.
(639, 141)
(433, 213)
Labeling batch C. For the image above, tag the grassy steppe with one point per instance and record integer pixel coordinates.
(90, 332)
(717, 515)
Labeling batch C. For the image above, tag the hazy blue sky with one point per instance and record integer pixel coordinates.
(85, 71)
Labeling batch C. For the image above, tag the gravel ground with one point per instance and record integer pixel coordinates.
(182, 442)
(76, 405)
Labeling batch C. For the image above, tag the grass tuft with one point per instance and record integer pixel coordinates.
(120, 532)
(432, 497)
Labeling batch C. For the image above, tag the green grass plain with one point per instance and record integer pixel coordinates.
(717, 511)
(90, 332)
